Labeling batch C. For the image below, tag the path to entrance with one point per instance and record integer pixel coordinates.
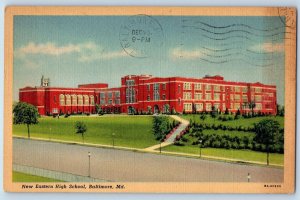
(183, 124)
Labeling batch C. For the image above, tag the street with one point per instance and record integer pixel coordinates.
(129, 166)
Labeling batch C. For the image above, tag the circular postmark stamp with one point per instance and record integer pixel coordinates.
(140, 36)
(287, 16)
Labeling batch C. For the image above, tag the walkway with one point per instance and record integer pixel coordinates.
(183, 124)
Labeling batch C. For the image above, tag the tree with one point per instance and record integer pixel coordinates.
(25, 113)
(252, 105)
(267, 133)
(99, 109)
(213, 112)
(80, 129)
(203, 117)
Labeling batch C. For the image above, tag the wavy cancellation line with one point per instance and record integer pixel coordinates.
(240, 37)
(262, 57)
(236, 60)
(234, 25)
(239, 48)
(236, 30)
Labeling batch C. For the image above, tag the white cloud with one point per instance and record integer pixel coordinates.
(86, 52)
(186, 54)
(268, 47)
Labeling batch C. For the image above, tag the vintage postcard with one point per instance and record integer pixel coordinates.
(150, 99)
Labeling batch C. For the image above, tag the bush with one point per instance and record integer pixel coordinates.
(178, 143)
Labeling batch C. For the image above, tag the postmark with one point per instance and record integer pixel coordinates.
(287, 16)
(141, 36)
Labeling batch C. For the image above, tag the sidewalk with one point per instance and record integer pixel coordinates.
(63, 176)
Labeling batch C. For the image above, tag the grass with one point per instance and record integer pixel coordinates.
(242, 155)
(245, 122)
(22, 177)
(130, 131)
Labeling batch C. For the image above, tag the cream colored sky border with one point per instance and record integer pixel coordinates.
(166, 187)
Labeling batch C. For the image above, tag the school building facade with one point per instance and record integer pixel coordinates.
(149, 94)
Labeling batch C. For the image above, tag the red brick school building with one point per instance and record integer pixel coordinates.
(149, 94)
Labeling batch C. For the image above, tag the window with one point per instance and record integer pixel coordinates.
(258, 106)
(61, 100)
(217, 96)
(217, 88)
(199, 106)
(217, 106)
(117, 94)
(68, 100)
(197, 86)
(257, 97)
(187, 95)
(102, 95)
(164, 86)
(110, 101)
(74, 100)
(187, 106)
(198, 96)
(257, 89)
(129, 82)
(156, 91)
(117, 101)
(80, 100)
(187, 86)
(163, 97)
(245, 98)
(244, 89)
(102, 102)
(207, 87)
(92, 100)
(237, 97)
(86, 100)
(237, 106)
(130, 95)
(237, 89)
(208, 96)
(148, 98)
(208, 106)
(148, 87)
(109, 95)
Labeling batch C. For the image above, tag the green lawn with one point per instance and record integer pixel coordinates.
(245, 122)
(243, 155)
(22, 177)
(130, 131)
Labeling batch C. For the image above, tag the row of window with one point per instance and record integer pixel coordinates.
(109, 94)
(208, 106)
(200, 96)
(109, 102)
(75, 100)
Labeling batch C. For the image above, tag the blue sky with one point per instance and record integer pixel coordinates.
(73, 50)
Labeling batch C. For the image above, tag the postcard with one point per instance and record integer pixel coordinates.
(150, 99)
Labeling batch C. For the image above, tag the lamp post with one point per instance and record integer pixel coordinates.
(89, 155)
(249, 177)
(200, 145)
(113, 139)
(160, 146)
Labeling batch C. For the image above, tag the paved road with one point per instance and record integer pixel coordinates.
(122, 165)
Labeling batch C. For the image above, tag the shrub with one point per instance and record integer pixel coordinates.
(178, 143)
